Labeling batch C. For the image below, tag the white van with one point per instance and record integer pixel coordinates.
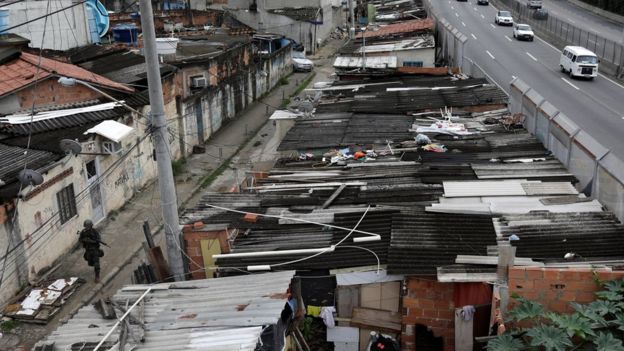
(579, 62)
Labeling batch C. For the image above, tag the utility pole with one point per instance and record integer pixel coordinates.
(168, 199)
(352, 26)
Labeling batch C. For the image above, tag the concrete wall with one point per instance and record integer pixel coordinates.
(230, 95)
(427, 56)
(47, 93)
(600, 173)
(555, 288)
(64, 30)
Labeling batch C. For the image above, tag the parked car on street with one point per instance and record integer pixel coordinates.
(534, 4)
(483, 2)
(503, 18)
(540, 14)
(300, 62)
(523, 32)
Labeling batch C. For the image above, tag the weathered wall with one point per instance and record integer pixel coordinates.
(241, 80)
(47, 93)
(555, 288)
(431, 304)
(192, 239)
(64, 30)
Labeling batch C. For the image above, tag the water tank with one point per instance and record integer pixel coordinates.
(126, 33)
(166, 46)
(100, 16)
(93, 27)
(4, 20)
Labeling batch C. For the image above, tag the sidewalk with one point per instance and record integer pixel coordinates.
(248, 133)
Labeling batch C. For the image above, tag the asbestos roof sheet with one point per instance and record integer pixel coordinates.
(23, 71)
(223, 314)
(418, 43)
(112, 130)
(13, 158)
(550, 236)
(395, 29)
(375, 62)
(507, 188)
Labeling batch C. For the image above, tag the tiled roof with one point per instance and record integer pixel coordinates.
(396, 29)
(23, 71)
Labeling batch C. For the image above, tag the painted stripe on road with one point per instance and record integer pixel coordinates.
(474, 8)
(570, 84)
(532, 57)
(514, 77)
(463, 24)
(508, 38)
(456, 15)
(493, 26)
(482, 16)
(571, 20)
(473, 36)
(489, 53)
(547, 43)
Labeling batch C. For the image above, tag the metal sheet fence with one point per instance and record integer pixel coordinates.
(561, 33)
(600, 172)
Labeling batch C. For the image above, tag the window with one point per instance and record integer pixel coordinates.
(66, 203)
(412, 63)
(111, 147)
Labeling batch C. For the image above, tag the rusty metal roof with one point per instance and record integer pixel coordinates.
(397, 29)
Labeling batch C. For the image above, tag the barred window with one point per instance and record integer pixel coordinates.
(66, 203)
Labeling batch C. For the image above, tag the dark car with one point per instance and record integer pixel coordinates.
(483, 2)
(463, 0)
(540, 14)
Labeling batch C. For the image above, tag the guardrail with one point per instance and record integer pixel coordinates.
(561, 33)
(449, 40)
(599, 171)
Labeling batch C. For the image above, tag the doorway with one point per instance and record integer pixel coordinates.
(95, 190)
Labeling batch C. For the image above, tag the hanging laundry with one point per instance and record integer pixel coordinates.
(327, 313)
(358, 155)
(314, 311)
(434, 148)
(467, 312)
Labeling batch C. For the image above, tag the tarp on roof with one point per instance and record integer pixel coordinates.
(112, 130)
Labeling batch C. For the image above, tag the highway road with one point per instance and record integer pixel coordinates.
(587, 20)
(596, 106)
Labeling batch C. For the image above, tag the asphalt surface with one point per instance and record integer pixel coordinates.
(595, 106)
(587, 20)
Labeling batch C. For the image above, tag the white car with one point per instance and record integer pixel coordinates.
(300, 62)
(503, 18)
(523, 32)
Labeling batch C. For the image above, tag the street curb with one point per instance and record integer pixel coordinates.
(200, 185)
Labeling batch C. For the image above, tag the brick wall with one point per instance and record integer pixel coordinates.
(49, 92)
(555, 288)
(429, 303)
(193, 235)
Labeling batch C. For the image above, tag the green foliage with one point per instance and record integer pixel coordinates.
(283, 81)
(9, 325)
(505, 342)
(549, 337)
(526, 310)
(607, 342)
(594, 326)
(178, 166)
(573, 324)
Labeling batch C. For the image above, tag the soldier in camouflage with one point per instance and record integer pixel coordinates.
(90, 240)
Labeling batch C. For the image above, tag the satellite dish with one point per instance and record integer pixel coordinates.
(70, 146)
(29, 177)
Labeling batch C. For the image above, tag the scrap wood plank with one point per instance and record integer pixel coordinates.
(334, 196)
(376, 319)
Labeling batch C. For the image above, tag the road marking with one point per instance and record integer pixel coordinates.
(473, 36)
(508, 38)
(531, 56)
(570, 84)
(482, 16)
(492, 56)
(463, 24)
(547, 43)
(514, 77)
(611, 80)
(452, 8)
(571, 20)
(474, 8)
(493, 26)
(456, 15)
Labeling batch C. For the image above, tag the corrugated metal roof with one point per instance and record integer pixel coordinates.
(212, 314)
(418, 43)
(514, 187)
(395, 29)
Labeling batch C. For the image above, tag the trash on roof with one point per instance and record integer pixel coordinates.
(43, 302)
(112, 130)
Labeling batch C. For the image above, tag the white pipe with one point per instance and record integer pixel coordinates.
(121, 319)
(274, 253)
(363, 239)
(261, 267)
